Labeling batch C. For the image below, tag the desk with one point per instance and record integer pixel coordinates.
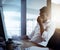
(31, 47)
(17, 45)
(23, 44)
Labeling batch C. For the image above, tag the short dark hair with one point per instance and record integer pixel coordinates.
(44, 9)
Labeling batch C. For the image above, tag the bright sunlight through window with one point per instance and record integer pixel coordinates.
(56, 12)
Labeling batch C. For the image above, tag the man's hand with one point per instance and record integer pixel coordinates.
(26, 44)
(39, 20)
(24, 37)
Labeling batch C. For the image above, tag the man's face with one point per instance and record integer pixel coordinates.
(44, 16)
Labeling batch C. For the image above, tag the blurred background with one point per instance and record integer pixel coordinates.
(12, 15)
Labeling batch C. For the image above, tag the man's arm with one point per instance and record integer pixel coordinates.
(47, 34)
(39, 20)
(28, 37)
(27, 44)
(36, 44)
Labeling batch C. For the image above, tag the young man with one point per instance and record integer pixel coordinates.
(43, 31)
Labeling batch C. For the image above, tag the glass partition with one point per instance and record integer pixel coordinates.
(12, 17)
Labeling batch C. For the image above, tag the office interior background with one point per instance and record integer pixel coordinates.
(12, 15)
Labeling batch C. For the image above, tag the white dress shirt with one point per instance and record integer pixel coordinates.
(47, 34)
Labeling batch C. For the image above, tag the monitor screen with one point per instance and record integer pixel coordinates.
(3, 32)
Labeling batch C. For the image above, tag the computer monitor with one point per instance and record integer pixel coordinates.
(3, 32)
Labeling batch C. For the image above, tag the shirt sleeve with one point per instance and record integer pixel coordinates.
(48, 33)
(36, 30)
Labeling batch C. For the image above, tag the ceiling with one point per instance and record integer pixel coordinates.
(11, 5)
(33, 6)
(15, 5)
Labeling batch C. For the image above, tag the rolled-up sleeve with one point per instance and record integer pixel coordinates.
(35, 31)
(48, 33)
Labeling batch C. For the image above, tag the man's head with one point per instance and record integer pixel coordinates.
(44, 13)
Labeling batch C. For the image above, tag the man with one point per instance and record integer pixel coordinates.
(43, 31)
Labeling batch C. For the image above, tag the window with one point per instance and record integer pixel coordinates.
(12, 17)
(56, 12)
